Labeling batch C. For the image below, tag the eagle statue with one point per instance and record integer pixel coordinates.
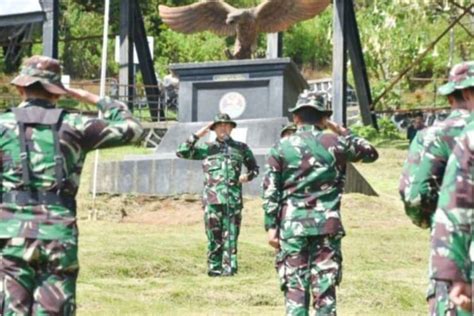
(219, 17)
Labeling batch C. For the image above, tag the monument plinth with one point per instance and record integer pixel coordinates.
(247, 89)
(255, 93)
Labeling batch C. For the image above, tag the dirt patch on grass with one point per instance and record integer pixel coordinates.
(168, 213)
(182, 210)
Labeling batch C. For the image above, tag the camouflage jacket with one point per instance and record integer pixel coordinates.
(452, 242)
(304, 180)
(78, 135)
(222, 166)
(422, 196)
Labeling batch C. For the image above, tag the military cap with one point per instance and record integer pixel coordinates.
(288, 127)
(314, 100)
(44, 70)
(461, 77)
(222, 118)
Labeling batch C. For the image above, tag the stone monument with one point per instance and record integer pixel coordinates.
(255, 93)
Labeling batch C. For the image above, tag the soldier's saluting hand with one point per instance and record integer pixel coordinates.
(223, 160)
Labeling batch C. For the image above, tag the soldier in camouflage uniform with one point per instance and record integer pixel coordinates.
(452, 243)
(42, 151)
(421, 216)
(222, 195)
(288, 130)
(425, 178)
(302, 192)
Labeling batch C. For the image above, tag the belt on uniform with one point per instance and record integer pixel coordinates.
(23, 198)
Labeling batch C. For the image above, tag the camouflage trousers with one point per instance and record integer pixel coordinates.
(222, 230)
(310, 265)
(38, 277)
(438, 300)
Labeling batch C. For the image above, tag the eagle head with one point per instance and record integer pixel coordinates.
(239, 17)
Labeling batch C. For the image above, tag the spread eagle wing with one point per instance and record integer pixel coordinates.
(278, 15)
(205, 15)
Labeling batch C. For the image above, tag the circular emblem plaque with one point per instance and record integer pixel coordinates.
(232, 103)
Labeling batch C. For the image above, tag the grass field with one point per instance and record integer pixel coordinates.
(152, 261)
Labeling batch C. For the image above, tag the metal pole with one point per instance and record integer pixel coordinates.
(103, 72)
(50, 29)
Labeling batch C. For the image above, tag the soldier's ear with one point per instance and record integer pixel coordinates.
(296, 119)
(21, 91)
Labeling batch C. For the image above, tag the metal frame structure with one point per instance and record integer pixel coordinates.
(347, 43)
(132, 31)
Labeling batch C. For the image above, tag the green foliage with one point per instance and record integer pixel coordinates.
(395, 33)
(177, 48)
(387, 131)
(309, 42)
(367, 132)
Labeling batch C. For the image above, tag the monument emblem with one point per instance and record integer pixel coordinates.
(232, 103)
(271, 16)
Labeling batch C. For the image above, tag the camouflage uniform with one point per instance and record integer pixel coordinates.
(302, 191)
(288, 129)
(423, 175)
(423, 169)
(222, 195)
(42, 160)
(452, 243)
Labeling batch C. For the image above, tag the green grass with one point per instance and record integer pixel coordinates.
(159, 268)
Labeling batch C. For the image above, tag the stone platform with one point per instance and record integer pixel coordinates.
(162, 173)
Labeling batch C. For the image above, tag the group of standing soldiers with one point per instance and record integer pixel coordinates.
(302, 191)
(437, 188)
(43, 150)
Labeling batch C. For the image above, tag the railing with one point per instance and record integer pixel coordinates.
(145, 110)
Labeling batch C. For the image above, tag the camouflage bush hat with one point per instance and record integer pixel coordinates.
(288, 127)
(461, 77)
(222, 118)
(44, 70)
(316, 101)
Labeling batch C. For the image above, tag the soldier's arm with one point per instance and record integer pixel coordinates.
(191, 150)
(410, 165)
(422, 196)
(358, 149)
(118, 126)
(409, 170)
(450, 242)
(272, 186)
(250, 163)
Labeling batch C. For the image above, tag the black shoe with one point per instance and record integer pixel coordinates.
(214, 273)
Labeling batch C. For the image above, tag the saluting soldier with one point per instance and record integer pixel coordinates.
(223, 160)
(303, 186)
(42, 152)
